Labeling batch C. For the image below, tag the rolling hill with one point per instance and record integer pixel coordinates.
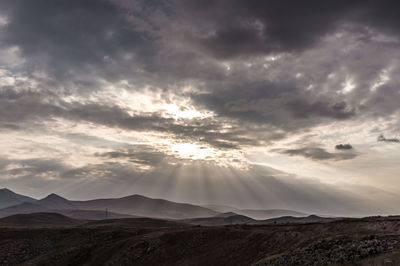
(93, 214)
(270, 213)
(147, 207)
(223, 219)
(230, 218)
(291, 219)
(256, 214)
(38, 220)
(23, 208)
(145, 242)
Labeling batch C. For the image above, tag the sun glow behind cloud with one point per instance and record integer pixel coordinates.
(190, 152)
(151, 100)
(193, 151)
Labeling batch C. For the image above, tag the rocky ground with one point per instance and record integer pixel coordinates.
(336, 251)
(373, 241)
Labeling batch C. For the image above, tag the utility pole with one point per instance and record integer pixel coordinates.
(106, 213)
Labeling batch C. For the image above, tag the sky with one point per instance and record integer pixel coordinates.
(255, 104)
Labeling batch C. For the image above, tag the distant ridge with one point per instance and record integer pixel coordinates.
(125, 207)
(258, 214)
(147, 207)
(232, 218)
(270, 213)
(291, 219)
(142, 206)
(222, 219)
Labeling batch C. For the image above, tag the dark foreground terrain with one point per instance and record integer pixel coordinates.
(143, 241)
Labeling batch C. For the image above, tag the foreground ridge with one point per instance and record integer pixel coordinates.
(147, 241)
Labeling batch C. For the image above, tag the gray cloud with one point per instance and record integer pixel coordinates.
(36, 167)
(138, 154)
(66, 38)
(259, 27)
(316, 153)
(384, 139)
(344, 147)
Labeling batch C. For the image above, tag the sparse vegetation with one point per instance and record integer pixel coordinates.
(144, 241)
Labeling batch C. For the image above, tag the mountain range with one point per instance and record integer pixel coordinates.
(134, 206)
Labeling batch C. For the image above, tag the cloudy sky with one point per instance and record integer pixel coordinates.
(257, 104)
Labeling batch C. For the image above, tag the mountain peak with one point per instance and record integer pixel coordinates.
(54, 201)
(9, 198)
(54, 196)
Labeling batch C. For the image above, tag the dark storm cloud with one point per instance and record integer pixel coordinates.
(280, 105)
(237, 28)
(91, 40)
(344, 147)
(79, 43)
(304, 109)
(384, 139)
(65, 38)
(316, 153)
(113, 41)
(248, 28)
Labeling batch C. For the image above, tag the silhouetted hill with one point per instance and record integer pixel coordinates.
(291, 219)
(93, 214)
(233, 218)
(271, 213)
(146, 207)
(27, 208)
(38, 220)
(256, 214)
(9, 198)
(142, 223)
(23, 208)
(225, 219)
